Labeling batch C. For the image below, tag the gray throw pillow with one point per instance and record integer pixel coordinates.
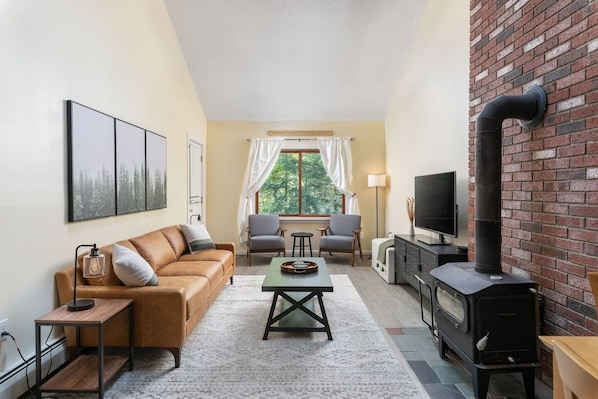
(197, 237)
(131, 268)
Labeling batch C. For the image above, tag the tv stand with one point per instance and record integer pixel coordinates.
(414, 260)
(433, 241)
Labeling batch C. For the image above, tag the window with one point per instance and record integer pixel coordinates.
(299, 186)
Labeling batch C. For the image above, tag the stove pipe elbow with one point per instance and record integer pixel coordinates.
(529, 109)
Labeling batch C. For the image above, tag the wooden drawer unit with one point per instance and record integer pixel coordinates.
(412, 263)
(415, 258)
(428, 261)
(400, 260)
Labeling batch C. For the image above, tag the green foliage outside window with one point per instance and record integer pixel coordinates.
(299, 185)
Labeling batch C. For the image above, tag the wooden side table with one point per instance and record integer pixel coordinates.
(85, 373)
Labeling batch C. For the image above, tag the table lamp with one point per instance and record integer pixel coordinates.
(93, 266)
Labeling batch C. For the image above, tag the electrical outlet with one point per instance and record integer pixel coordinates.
(3, 329)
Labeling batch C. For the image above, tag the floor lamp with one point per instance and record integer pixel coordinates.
(376, 181)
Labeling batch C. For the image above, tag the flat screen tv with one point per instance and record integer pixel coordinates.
(436, 208)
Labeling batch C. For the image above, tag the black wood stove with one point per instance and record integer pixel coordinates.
(490, 318)
(490, 321)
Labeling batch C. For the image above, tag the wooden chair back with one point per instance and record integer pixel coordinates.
(579, 378)
(593, 277)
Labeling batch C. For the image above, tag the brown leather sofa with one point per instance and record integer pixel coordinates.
(164, 315)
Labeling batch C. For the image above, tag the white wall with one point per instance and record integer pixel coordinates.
(427, 123)
(118, 57)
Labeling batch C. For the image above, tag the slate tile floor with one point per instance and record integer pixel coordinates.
(448, 378)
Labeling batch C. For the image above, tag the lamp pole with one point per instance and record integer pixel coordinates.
(377, 212)
(377, 181)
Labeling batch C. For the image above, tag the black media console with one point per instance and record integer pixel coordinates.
(415, 258)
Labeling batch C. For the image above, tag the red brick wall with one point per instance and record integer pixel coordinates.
(550, 173)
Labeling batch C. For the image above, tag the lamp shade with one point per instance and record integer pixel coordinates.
(376, 180)
(93, 266)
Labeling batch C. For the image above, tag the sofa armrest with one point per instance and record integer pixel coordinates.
(159, 314)
(230, 246)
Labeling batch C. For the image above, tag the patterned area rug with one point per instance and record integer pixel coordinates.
(225, 356)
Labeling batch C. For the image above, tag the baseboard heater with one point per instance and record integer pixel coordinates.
(31, 361)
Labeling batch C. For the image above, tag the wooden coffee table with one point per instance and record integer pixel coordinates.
(297, 290)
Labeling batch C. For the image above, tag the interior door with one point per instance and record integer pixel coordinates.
(196, 205)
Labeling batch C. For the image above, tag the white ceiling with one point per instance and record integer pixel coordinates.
(294, 60)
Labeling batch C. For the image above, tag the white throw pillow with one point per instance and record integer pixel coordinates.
(131, 268)
(197, 237)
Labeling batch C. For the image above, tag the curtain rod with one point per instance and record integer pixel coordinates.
(287, 139)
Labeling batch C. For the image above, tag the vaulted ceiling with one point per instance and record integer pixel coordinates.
(294, 60)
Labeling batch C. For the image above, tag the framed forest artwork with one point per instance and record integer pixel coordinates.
(91, 157)
(155, 158)
(114, 167)
(130, 168)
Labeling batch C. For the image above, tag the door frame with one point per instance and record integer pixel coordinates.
(196, 208)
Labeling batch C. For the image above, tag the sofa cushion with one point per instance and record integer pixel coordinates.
(224, 257)
(131, 268)
(155, 249)
(219, 255)
(197, 237)
(213, 271)
(176, 239)
(196, 288)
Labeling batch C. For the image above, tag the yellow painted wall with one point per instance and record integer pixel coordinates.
(227, 152)
(427, 123)
(118, 57)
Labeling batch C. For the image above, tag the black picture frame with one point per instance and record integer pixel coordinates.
(91, 160)
(155, 160)
(130, 168)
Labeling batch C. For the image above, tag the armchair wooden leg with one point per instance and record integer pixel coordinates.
(359, 243)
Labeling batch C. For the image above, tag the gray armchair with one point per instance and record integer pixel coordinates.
(264, 234)
(342, 235)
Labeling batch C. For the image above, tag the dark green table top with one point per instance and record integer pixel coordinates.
(277, 280)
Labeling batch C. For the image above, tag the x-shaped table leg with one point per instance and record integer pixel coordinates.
(300, 305)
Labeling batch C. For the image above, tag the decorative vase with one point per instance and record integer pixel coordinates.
(411, 214)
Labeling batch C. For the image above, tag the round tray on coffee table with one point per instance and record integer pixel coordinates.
(299, 266)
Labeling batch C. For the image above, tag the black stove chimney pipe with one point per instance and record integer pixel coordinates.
(529, 109)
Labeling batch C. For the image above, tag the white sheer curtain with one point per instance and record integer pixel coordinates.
(263, 155)
(338, 162)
